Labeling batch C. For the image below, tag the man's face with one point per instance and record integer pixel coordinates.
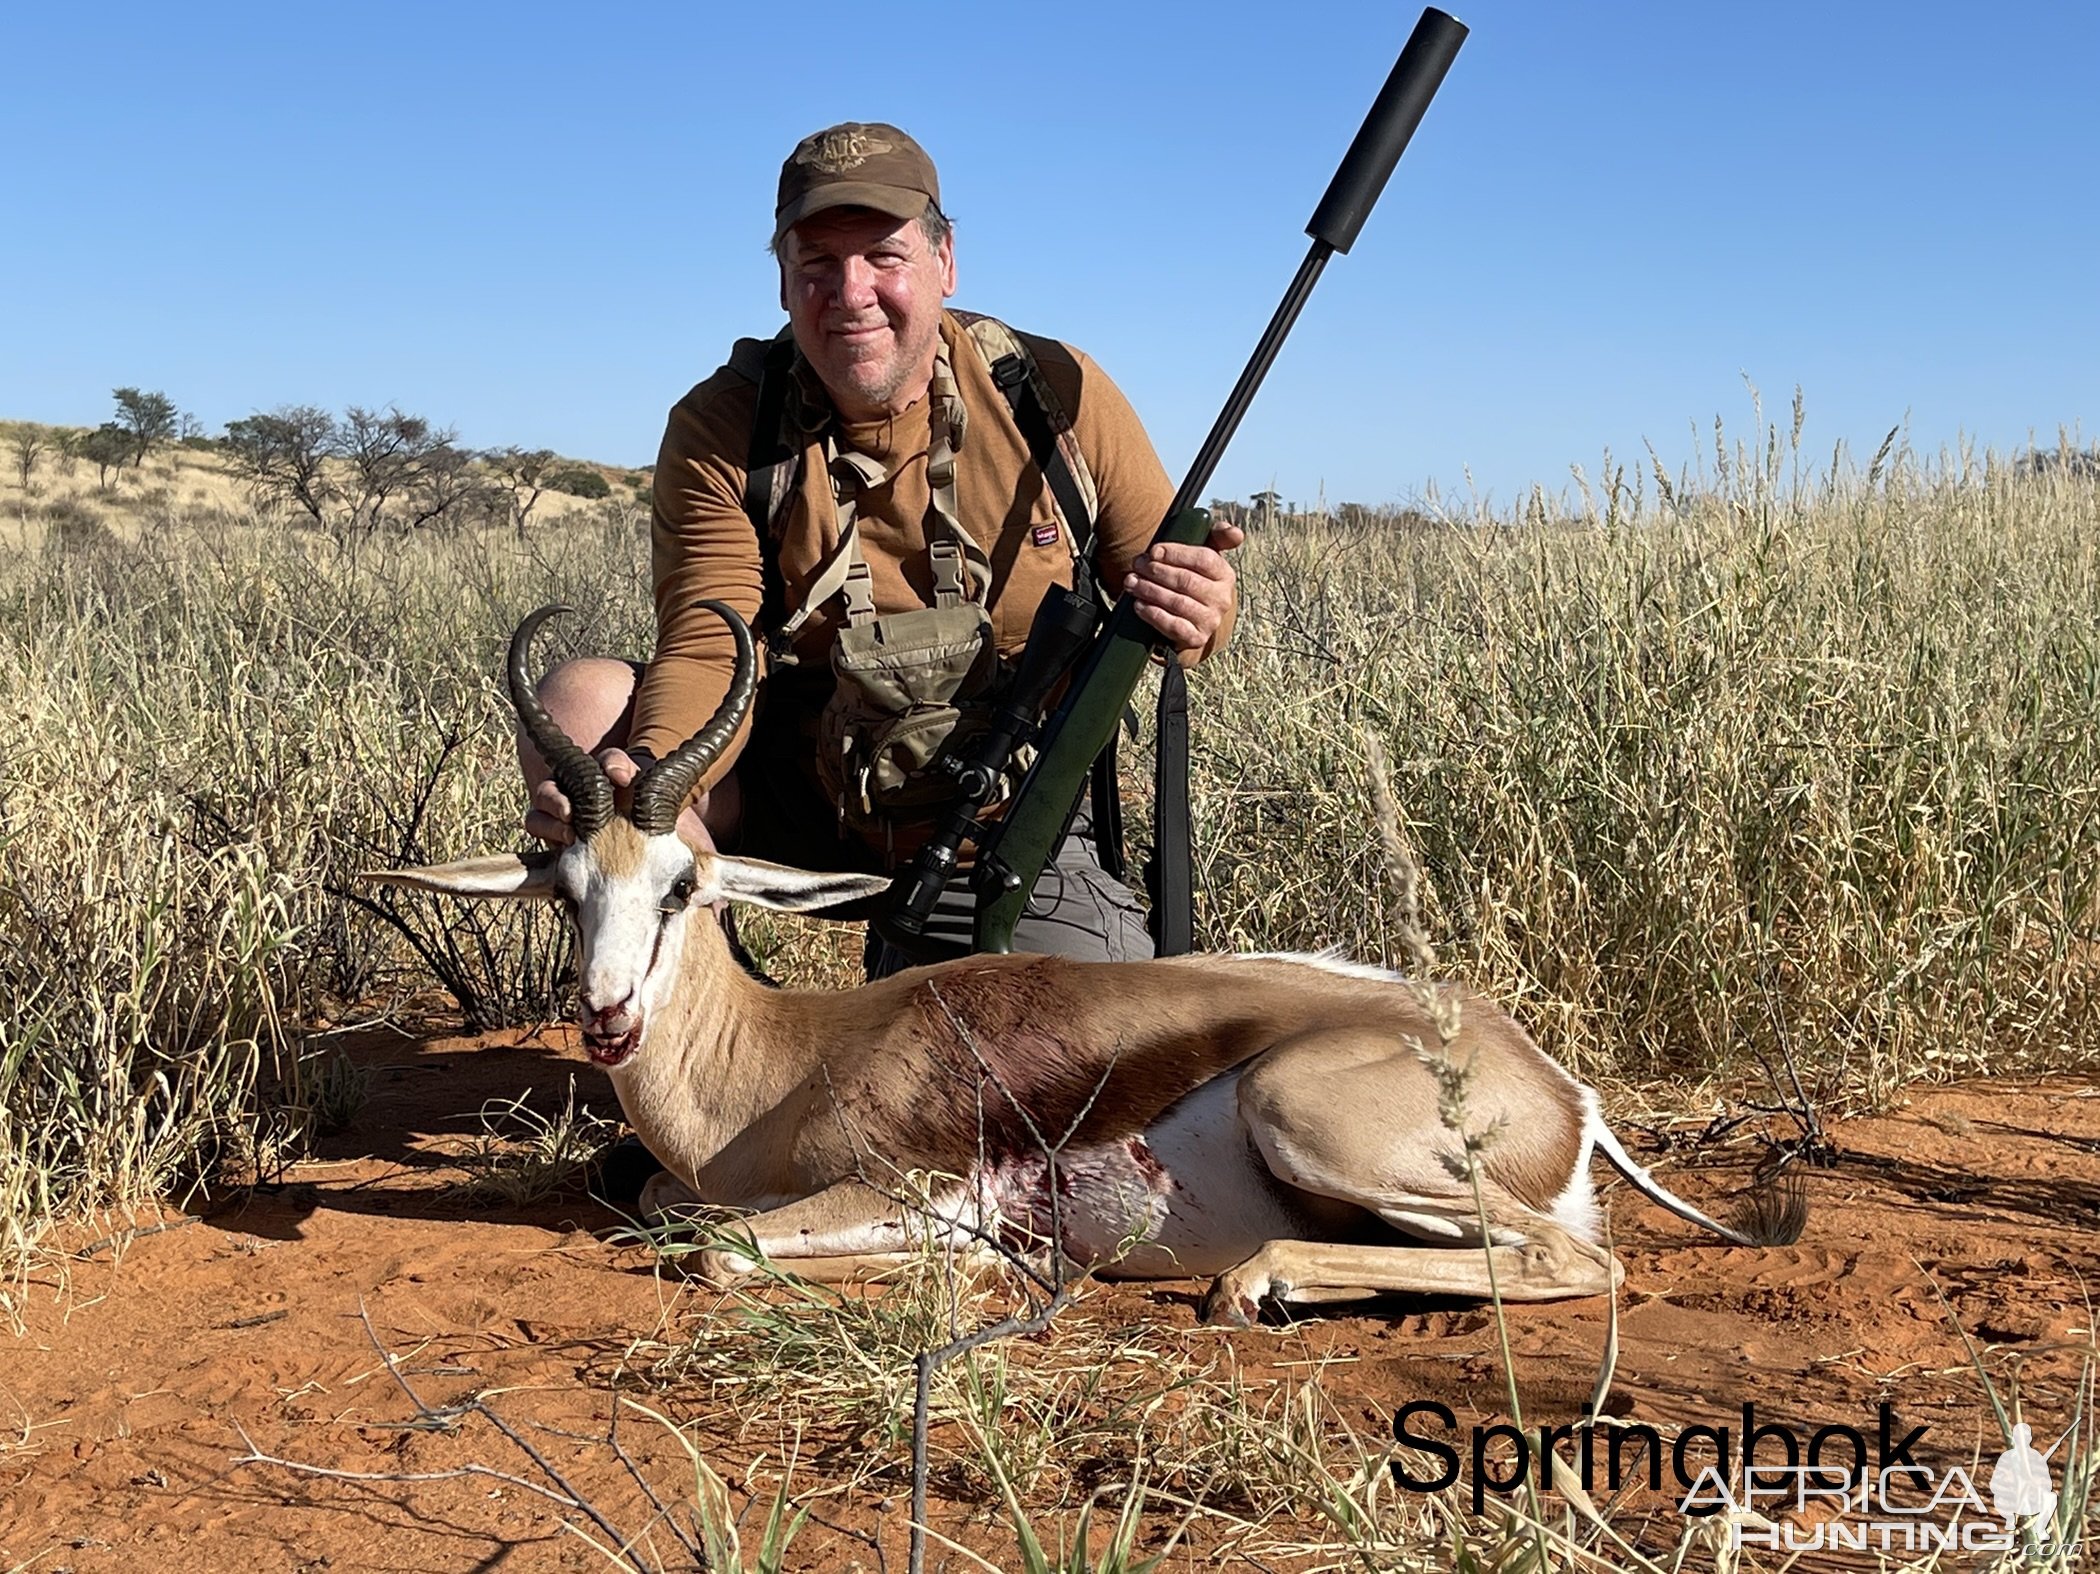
(863, 292)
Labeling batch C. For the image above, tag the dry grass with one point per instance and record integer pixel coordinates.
(520, 1157)
(1113, 1442)
(1806, 765)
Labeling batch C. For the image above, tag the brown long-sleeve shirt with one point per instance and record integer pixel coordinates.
(703, 544)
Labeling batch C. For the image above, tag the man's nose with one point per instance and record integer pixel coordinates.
(856, 283)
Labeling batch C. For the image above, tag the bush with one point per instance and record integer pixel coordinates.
(579, 482)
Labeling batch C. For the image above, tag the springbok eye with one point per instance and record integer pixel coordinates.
(681, 892)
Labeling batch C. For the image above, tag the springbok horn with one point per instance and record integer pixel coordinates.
(575, 772)
(662, 790)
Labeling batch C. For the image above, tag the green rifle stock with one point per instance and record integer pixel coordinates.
(1022, 844)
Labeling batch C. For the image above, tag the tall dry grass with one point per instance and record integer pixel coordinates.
(1749, 761)
(212, 723)
(1709, 766)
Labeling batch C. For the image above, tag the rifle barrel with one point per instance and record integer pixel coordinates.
(1243, 391)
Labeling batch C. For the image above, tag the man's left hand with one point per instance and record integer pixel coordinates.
(1186, 592)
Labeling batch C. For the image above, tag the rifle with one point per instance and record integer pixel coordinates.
(1013, 852)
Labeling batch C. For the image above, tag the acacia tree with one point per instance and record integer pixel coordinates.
(283, 457)
(147, 418)
(447, 489)
(106, 448)
(391, 456)
(30, 446)
(524, 472)
(363, 472)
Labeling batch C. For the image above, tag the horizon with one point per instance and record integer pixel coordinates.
(507, 229)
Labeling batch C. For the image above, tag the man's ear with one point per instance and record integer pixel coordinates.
(948, 263)
(786, 890)
(506, 876)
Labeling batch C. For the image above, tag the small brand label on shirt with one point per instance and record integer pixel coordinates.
(1044, 535)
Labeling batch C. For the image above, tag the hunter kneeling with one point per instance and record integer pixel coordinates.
(885, 491)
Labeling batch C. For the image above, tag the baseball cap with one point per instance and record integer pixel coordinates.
(857, 164)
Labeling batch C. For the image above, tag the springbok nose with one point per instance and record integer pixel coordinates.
(608, 1016)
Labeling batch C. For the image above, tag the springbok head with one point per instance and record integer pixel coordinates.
(630, 882)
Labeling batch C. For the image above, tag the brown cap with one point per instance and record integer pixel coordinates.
(855, 165)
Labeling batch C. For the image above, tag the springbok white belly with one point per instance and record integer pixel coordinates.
(1189, 1197)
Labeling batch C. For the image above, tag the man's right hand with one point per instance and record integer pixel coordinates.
(548, 816)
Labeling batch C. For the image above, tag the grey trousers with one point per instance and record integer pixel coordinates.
(1076, 911)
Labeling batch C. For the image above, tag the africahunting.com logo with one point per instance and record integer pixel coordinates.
(1838, 1488)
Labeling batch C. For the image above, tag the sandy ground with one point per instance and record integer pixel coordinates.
(126, 1403)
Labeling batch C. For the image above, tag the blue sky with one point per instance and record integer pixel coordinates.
(542, 224)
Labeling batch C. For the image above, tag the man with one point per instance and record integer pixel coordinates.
(905, 512)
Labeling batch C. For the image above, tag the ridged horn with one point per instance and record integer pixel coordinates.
(579, 776)
(662, 790)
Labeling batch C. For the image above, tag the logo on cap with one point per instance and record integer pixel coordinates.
(842, 148)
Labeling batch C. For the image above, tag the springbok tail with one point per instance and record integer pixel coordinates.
(1602, 1141)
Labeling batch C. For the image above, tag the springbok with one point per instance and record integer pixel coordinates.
(1270, 1122)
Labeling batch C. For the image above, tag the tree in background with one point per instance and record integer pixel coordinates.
(524, 472)
(106, 448)
(149, 419)
(448, 489)
(397, 459)
(29, 446)
(283, 455)
(364, 472)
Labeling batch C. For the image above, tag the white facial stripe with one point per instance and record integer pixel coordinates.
(626, 961)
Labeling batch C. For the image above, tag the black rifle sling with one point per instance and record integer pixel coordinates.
(1170, 875)
(770, 474)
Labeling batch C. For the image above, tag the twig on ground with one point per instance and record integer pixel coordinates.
(446, 1418)
(126, 1237)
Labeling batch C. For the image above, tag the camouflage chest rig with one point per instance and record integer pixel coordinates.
(907, 684)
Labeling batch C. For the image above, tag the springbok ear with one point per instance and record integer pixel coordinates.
(505, 876)
(786, 890)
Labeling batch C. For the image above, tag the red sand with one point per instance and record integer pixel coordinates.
(122, 1409)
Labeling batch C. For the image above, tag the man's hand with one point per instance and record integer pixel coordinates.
(1186, 592)
(548, 817)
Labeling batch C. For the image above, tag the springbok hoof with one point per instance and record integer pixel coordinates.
(722, 1270)
(667, 1200)
(1231, 1303)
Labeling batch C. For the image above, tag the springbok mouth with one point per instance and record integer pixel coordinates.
(609, 1050)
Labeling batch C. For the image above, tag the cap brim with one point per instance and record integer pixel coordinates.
(899, 202)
